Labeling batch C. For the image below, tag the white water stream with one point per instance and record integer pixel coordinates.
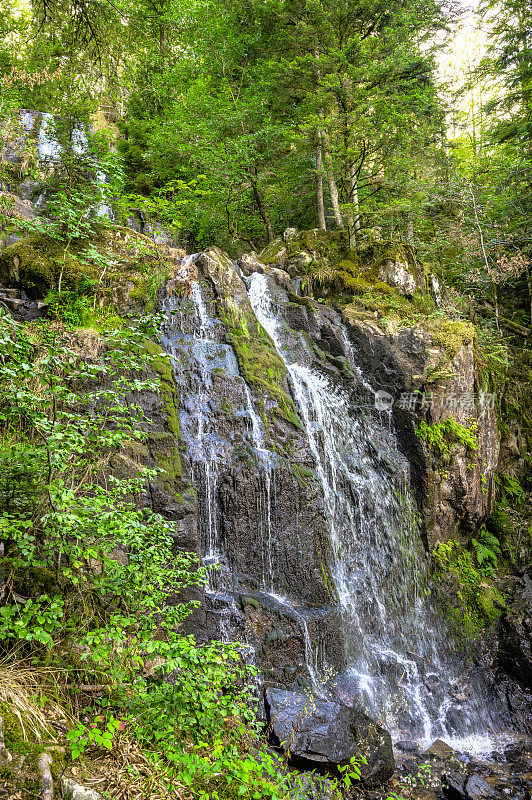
(392, 643)
(392, 640)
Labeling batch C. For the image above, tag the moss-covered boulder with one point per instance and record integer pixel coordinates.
(36, 263)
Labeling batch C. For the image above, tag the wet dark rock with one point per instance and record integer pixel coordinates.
(515, 638)
(440, 750)
(478, 788)
(457, 497)
(518, 753)
(408, 746)
(320, 732)
(453, 786)
(20, 306)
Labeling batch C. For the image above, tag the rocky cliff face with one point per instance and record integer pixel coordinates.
(428, 368)
(249, 477)
(262, 505)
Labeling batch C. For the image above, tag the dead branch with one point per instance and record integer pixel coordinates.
(47, 785)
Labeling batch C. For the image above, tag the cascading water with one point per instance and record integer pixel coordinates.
(49, 151)
(392, 639)
(393, 643)
(196, 345)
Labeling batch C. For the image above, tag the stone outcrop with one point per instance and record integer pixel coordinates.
(429, 373)
(514, 653)
(428, 368)
(329, 734)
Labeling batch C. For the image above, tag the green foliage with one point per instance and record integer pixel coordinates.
(487, 548)
(99, 734)
(352, 772)
(441, 435)
(492, 358)
(34, 620)
(69, 307)
(113, 573)
(512, 489)
(468, 594)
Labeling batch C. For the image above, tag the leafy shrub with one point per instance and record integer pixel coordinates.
(487, 548)
(69, 307)
(116, 613)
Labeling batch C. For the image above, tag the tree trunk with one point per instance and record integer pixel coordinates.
(262, 212)
(333, 189)
(410, 230)
(353, 217)
(321, 206)
(529, 284)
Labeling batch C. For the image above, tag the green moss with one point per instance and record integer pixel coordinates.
(37, 264)
(170, 463)
(250, 601)
(260, 364)
(140, 289)
(451, 334)
(470, 599)
(271, 253)
(289, 416)
(34, 581)
(160, 362)
(299, 300)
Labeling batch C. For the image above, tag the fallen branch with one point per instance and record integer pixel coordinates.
(97, 687)
(47, 785)
(515, 327)
(4, 755)
(416, 655)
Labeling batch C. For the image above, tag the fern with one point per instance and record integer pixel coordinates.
(487, 548)
(490, 541)
(513, 488)
(483, 553)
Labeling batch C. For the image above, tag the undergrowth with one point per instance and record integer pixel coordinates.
(93, 589)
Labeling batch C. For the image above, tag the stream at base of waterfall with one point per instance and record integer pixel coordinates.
(399, 667)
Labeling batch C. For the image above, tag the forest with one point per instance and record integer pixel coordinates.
(265, 399)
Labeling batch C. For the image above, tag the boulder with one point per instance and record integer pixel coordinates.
(453, 786)
(396, 273)
(440, 750)
(328, 733)
(75, 791)
(477, 788)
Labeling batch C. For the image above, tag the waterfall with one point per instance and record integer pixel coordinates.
(400, 668)
(49, 152)
(195, 341)
(392, 638)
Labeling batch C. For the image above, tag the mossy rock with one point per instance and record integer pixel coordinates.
(259, 362)
(170, 463)
(33, 581)
(274, 253)
(160, 362)
(451, 334)
(36, 264)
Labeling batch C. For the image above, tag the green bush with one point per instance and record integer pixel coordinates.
(107, 586)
